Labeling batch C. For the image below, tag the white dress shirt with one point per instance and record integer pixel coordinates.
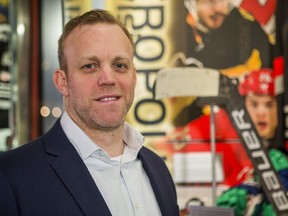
(122, 180)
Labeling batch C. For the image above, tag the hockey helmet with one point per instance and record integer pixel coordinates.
(259, 82)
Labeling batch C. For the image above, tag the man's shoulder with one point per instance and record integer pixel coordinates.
(242, 14)
(246, 15)
(27, 150)
(239, 21)
(145, 152)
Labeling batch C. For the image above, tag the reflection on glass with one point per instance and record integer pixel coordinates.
(5, 77)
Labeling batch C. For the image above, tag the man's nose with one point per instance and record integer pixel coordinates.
(106, 76)
(261, 111)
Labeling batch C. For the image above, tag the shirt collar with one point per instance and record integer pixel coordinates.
(134, 142)
(82, 143)
(86, 147)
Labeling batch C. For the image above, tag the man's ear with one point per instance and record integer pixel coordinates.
(60, 81)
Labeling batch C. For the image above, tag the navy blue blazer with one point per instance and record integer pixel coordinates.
(48, 177)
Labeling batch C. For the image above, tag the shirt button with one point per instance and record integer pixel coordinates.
(137, 205)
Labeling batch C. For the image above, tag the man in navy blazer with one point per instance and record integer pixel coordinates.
(91, 162)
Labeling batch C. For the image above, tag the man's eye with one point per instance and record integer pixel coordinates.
(120, 66)
(89, 66)
(254, 104)
(270, 105)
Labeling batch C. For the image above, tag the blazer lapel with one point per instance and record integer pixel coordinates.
(165, 193)
(74, 174)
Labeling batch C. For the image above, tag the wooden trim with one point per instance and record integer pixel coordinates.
(35, 78)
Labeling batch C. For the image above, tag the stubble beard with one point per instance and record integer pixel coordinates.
(93, 121)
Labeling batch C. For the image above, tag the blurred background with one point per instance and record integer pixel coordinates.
(234, 37)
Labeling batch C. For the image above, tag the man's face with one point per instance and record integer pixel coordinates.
(263, 112)
(101, 77)
(212, 13)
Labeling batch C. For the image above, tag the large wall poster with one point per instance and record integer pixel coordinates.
(232, 36)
